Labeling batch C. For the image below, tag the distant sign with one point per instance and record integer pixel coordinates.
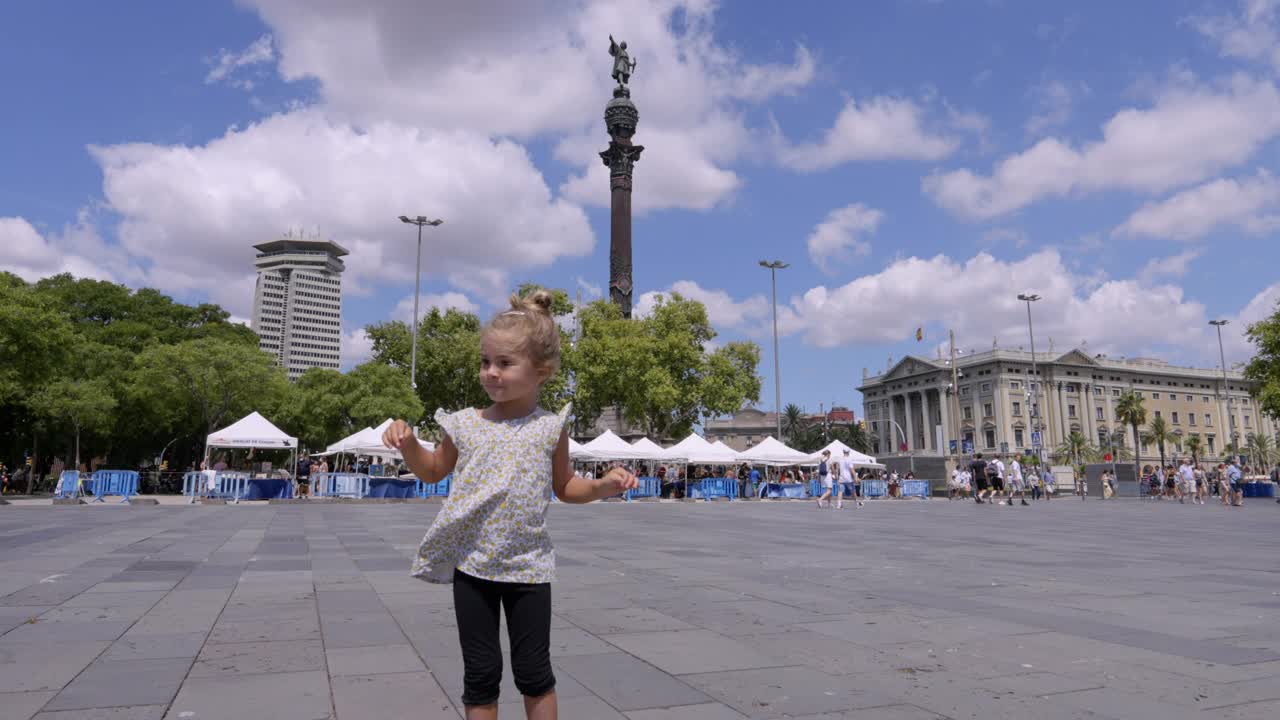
(1036, 440)
(902, 447)
(1107, 457)
(968, 447)
(953, 447)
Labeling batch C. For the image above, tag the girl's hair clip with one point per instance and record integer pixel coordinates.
(514, 312)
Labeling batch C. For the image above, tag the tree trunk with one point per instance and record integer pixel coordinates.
(1137, 458)
(77, 447)
(35, 462)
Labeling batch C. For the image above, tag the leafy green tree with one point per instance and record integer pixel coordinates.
(84, 405)
(1264, 367)
(214, 380)
(657, 371)
(326, 405)
(448, 358)
(1159, 434)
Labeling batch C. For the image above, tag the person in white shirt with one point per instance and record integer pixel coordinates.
(846, 476)
(953, 487)
(1016, 484)
(1186, 481)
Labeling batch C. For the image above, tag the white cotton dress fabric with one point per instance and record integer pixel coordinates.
(493, 524)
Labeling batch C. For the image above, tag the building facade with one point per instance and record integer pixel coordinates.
(1001, 402)
(743, 429)
(297, 303)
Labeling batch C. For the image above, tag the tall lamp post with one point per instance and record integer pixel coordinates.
(774, 266)
(1222, 355)
(417, 288)
(1033, 397)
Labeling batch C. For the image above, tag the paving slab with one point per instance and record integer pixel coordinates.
(275, 696)
(399, 696)
(122, 683)
(374, 660)
(136, 712)
(259, 657)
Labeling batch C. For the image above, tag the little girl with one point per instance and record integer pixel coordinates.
(490, 538)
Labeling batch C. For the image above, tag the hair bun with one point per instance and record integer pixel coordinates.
(538, 300)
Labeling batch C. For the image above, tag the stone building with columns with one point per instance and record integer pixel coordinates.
(911, 409)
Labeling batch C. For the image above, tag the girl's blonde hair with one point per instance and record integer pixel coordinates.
(531, 330)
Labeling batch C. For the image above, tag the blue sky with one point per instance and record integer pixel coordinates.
(919, 163)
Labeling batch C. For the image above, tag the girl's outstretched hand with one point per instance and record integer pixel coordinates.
(616, 481)
(398, 435)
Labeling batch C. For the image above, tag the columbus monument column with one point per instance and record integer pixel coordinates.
(620, 118)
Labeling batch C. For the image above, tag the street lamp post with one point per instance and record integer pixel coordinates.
(1231, 426)
(774, 266)
(417, 288)
(1033, 396)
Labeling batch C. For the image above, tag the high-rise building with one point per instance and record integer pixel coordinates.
(297, 305)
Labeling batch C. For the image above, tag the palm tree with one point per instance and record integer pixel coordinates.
(1230, 450)
(1131, 411)
(1195, 448)
(1077, 447)
(1261, 451)
(792, 418)
(1115, 442)
(1158, 433)
(855, 436)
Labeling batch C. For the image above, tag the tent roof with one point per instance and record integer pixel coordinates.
(654, 451)
(772, 452)
(252, 431)
(369, 442)
(837, 449)
(698, 451)
(608, 446)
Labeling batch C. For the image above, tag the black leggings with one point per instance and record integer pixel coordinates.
(476, 603)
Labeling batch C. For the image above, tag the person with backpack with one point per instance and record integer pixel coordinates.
(978, 469)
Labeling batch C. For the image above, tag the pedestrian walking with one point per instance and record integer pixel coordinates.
(1186, 481)
(1016, 482)
(1236, 478)
(995, 473)
(847, 474)
(824, 478)
(978, 469)
(490, 538)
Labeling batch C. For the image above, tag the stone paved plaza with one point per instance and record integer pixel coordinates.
(672, 611)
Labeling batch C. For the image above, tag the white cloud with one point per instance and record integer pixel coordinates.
(978, 299)
(539, 68)
(227, 63)
(882, 128)
(356, 348)
(1235, 343)
(1054, 102)
(1190, 133)
(1251, 204)
(1174, 266)
(443, 301)
(77, 249)
(722, 310)
(589, 289)
(843, 233)
(305, 169)
(1251, 34)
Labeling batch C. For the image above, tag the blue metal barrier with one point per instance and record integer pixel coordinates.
(229, 485)
(113, 482)
(648, 487)
(875, 488)
(193, 484)
(348, 485)
(713, 488)
(915, 488)
(68, 485)
(439, 489)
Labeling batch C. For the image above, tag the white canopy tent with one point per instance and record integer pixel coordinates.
(608, 447)
(575, 449)
(837, 449)
(772, 452)
(655, 452)
(697, 451)
(369, 442)
(253, 431)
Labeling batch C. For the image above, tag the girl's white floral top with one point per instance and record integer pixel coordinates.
(493, 524)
